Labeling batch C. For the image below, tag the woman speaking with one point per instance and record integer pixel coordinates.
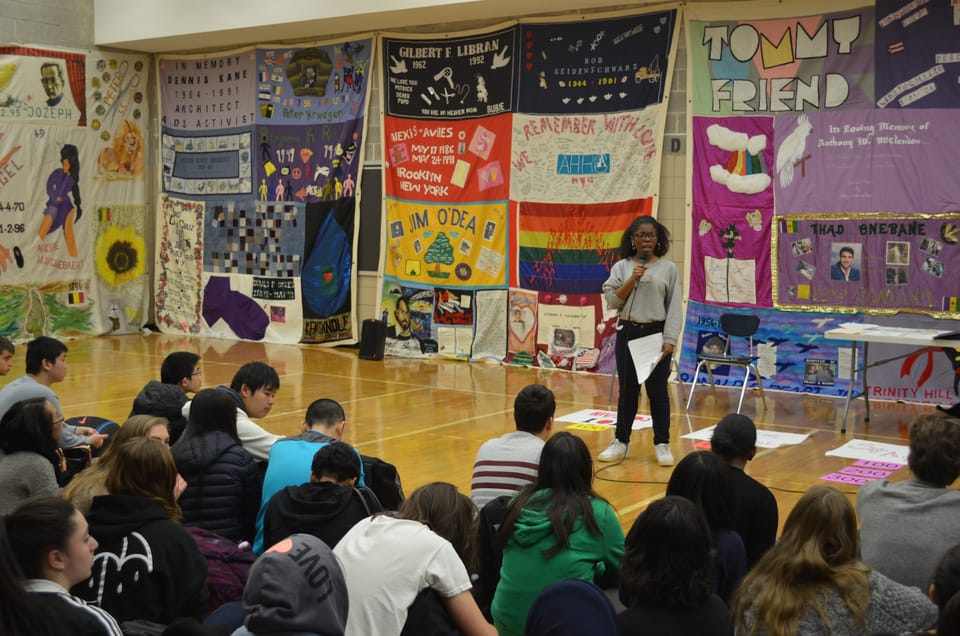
(645, 290)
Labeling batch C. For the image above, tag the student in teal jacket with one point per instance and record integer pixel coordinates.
(557, 528)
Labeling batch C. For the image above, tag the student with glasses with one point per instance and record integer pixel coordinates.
(644, 288)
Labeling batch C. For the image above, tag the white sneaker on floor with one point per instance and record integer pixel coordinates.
(616, 451)
(664, 456)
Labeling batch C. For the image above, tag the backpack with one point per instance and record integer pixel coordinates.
(384, 480)
(227, 566)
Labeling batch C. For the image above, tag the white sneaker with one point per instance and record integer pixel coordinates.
(616, 451)
(664, 456)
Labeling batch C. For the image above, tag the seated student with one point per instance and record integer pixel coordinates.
(46, 365)
(296, 587)
(252, 389)
(147, 565)
(557, 528)
(812, 581)
(6, 355)
(30, 462)
(704, 478)
(945, 591)
(757, 518)
(666, 581)
(91, 482)
(908, 552)
(46, 549)
(571, 608)
(179, 376)
(327, 506)
(223, 483)
(388, 561)
(291, 457)
(508, 463)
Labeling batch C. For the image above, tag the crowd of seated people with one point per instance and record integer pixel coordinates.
(141, 541)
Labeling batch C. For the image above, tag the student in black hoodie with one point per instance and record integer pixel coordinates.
(327, 506)
(179, 376)
(147, 565)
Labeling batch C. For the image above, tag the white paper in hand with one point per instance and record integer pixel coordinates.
(646, 353)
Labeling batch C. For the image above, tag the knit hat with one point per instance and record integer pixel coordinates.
(296, 588)
(571, 608)
(734, 436)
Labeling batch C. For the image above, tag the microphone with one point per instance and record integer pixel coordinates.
(643, 256)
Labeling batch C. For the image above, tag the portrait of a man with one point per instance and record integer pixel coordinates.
(51, 76)
(844, 269)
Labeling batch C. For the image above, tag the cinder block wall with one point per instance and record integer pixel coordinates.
(59, 23)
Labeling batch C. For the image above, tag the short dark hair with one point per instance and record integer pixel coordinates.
(177, 366)
(667, 559)
(337, 460)
(533, 406)
(663, 237)
(846, 249)
(706, 479)
(935, 449)
(735, 437)
(255, 376)
(211, 410)
(43, 348)
(35, 528)
(53, 65)
(324, 412)
(28, 426)
(6, 345)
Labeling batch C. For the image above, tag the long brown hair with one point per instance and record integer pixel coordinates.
(449, 514)
(563, 490)
(144, 468)
(91, 481)
(819, 550)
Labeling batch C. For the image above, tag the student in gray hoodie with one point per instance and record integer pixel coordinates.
(296, 588)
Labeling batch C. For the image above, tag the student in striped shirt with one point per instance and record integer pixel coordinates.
(506, 464)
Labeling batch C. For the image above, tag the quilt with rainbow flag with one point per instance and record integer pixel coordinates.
(514, 159)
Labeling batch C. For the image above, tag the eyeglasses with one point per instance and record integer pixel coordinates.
(645, 236)
(197, 373)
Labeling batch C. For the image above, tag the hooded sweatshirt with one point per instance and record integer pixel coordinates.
(146, 566)
(163, 400)
(223, 485)
(525, 572)
(296, 588)
(322, 509)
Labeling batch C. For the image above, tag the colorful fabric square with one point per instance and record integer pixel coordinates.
(570, 248)
(247, 319)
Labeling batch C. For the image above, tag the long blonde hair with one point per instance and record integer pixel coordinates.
(819, 550)
(90, 482)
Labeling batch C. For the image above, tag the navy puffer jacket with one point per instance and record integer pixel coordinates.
(223, 485)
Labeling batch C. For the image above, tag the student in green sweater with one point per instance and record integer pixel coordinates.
(557, 528)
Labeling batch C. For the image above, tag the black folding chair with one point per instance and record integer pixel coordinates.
(733, 326)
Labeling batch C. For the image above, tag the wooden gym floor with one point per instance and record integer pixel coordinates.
(429, 417)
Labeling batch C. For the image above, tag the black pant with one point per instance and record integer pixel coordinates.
(656, 385)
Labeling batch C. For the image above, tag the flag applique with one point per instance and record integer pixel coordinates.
(789, 226)
(586, 358)
(75, 298)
